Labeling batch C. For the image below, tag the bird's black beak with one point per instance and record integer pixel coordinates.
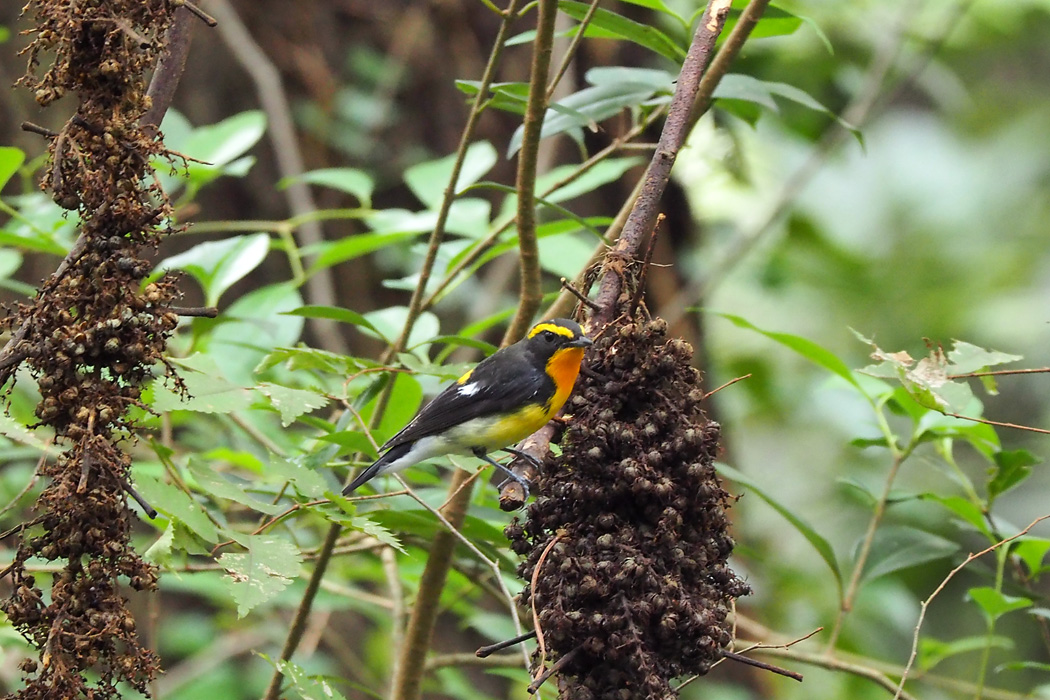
(581, 342)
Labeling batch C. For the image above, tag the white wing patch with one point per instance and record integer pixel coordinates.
(468, 389)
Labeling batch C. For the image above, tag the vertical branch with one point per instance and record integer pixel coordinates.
(643, 216)
(411, 662)
(324, 556)
(531, 293)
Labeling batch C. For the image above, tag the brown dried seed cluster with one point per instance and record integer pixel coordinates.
(637, 578)
(91, 338)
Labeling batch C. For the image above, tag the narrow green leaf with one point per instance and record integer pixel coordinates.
(429, 180)
(266, 569)
(968, 511)
(303, 358)
(898, 547)
(605, 24)
(334, 313)
(933, 651)
(332, 253)
(819, 543)
(804, 347)
(310, 687)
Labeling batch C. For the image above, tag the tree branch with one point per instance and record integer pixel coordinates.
(531, 291)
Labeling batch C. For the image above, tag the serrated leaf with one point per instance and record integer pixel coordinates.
(303, 358)
(818, 542)
(159, 552)
(177, 505)
(305, 480)
(965, 358)
(292, 403)
(266, 569)
(207, 394)
(309, 687)
(994, 604)
(210, 481)
(350, 180)
(361, 523)
(897, 547)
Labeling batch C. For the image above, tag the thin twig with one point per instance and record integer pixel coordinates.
(555, 667)
(951, 574)
(482, 652)
(197, 12)
(37, 129)
(731, 382)
(733, 656)
(532, 598)
(570, 51)
(571, 289)
(996, 423)
(194, 311)
(1000, 373)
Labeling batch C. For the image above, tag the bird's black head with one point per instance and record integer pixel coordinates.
(547, 337)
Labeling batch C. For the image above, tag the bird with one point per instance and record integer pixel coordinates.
(505, 398)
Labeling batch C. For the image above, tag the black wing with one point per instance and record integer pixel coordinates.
(501, 385)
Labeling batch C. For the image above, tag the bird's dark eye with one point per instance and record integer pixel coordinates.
(549, 336)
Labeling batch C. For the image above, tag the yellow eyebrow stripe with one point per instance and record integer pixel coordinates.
(553, 328)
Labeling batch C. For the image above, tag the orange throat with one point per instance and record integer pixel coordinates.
(563, 368)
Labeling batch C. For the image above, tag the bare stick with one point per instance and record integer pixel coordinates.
(149, 510)
(731, 382)
(491, 649)
(571, 289)
(762, 665)
(197, 311)
(198, 12)
(532, 598)
(555, 667)
(37, 129)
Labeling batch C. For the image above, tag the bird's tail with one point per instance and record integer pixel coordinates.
(378, 467)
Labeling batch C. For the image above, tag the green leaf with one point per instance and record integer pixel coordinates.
(332, 253)
(178, 506)
(994, 604)
(804, 347)
(1023, 666)
(966, 358)
(389, 322)
(970, 512)
(819, 543)
(585, 109)
(159, 552)
(350, 180)
(305, 480)
(933, 651)
(405, 399)
(334, 313)
(1032, 551)
(429, 180)
(218, 265)
(897, 547)
(309, 687)
(219, 144)
(1011, 468)
(218, 487)
(351, 441)
(303, 358)
(11, 160)
(367, 525)
(266, 569)
(292, 403)
(775, 21)
(606, 171)
(738, 86)
(208, 393)
(606, 24)
(254, 325)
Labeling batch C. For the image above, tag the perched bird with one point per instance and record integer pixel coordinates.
(504, 399)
